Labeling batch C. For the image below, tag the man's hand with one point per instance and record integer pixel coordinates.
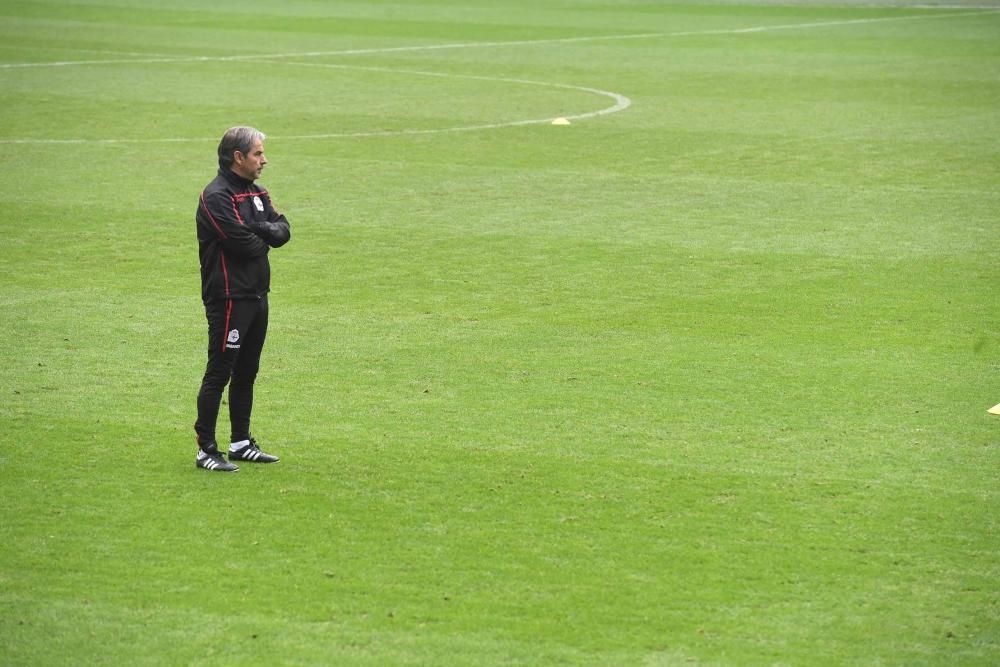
(260, 229)
(273, 234)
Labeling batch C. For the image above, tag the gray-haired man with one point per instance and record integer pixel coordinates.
(237, 226)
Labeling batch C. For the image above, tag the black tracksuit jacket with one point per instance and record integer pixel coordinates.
(237, 225)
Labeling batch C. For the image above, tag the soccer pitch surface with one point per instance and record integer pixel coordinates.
(699, 377)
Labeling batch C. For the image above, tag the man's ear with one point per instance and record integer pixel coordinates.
(238, 157)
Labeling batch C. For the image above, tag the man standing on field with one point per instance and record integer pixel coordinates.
(237, 226)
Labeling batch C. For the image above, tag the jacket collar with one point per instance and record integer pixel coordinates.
(234, 178)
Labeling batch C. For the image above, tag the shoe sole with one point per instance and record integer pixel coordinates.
(216, 468)
(231, 458)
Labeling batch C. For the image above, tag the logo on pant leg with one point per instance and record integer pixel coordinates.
(233, 338)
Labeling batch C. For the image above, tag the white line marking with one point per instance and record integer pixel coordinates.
(828, 24)
(479, 45)
(621, 102)
(147, 54)
(118, 61)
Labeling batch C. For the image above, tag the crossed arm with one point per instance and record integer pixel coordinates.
(245, 240)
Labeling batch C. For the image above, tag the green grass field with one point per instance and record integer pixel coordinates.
(701, 377)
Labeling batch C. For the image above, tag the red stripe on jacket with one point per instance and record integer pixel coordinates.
(244, 195)
(210, 217)
(232, 200)
(225, 272)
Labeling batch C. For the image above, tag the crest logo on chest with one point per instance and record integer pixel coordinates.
(258, 203)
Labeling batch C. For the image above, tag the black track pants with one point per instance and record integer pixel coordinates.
(236, 332)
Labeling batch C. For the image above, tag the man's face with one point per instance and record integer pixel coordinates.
(250, 165)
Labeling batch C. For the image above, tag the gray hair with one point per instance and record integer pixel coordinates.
(239, 139)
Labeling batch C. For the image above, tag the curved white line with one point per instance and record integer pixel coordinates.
(621, 103)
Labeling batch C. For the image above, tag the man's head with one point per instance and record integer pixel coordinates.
(242, 151)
